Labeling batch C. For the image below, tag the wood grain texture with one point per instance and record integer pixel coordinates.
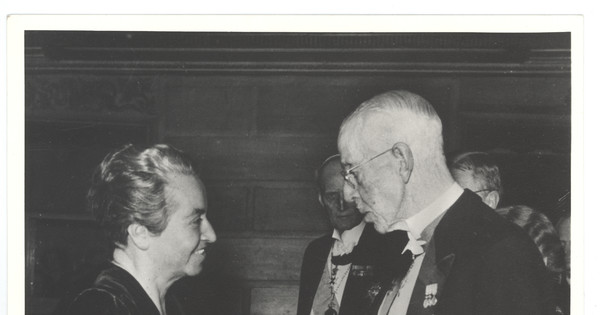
(258, 258)
(281, 300)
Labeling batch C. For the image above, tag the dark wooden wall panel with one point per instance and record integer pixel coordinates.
(267, 158)
(60, 158)
(57, 179)
(535, 95)
(486, 134)
(212, 292)
(254, 257)
(317, 105)
(228, 207)
(67, 253)
(91, 96)
(314, 106)
(288, 209)
(209, 106)
(274, 301)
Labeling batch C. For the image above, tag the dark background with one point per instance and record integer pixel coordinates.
(258, 112)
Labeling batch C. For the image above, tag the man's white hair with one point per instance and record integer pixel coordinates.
(397, 116)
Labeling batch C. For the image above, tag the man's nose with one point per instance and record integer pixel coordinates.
(207, 232)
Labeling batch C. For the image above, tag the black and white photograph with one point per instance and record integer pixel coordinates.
(299, 170)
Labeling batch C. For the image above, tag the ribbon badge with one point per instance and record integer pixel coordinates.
(362, 271)
(430, 293)
(374, 291)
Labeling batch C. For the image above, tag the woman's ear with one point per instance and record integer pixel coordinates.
(139, 236)
(403, 152)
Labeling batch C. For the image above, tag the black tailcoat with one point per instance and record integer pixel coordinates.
(363, 276)
(480, 263)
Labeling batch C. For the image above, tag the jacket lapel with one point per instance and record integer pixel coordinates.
(362, 273)
(318, 264)
(431, 280)
(449, 240)
(311, 276)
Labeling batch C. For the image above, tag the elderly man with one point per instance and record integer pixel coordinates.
(478, 172)
(460, 257)
(338, 269)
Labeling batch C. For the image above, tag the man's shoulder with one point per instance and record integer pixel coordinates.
(322, 239)
(489, 254)
(319, 243)
(486, 241)
(472, 223)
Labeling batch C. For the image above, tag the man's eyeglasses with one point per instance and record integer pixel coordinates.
(350, 175)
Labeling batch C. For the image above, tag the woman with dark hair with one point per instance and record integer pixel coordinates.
(545, 237)
(153, 208)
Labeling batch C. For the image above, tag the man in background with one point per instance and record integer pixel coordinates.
(478, 172)
(338, 269)
(460, 257)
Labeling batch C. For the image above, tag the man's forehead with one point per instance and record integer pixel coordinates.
(350, 154)
(363, 136)
(331, 179)
(331, 168)
(355, 150)
(334, 183)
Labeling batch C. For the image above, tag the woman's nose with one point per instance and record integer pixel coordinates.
(207, 232)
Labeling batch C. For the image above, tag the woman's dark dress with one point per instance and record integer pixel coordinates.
(116, 292)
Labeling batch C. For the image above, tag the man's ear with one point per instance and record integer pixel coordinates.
(139, 236)
(403, 152)
(321, 199)
(491, 199)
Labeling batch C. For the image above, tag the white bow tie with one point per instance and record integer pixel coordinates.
(414, 245)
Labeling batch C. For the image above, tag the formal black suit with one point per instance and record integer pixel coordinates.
(364, 274)
(479, 264)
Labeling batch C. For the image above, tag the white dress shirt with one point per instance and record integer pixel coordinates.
(415, 226)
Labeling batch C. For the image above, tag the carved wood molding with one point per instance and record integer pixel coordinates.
(470, 53)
